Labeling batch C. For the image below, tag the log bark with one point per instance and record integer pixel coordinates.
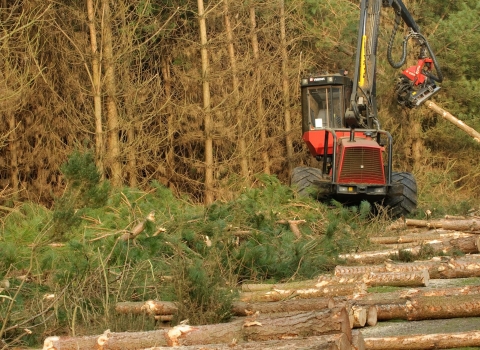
(464, 244)
(402, 295)
(467, 225)
(320, 281)
(150, 307)
(240, 308)
(419, 237)
(440, 268)
(281, 326)
(258, 328)
(433, 307)
(324, 342)
(284, 294)
(418, 278)
(455, 121)
(351, 270)
(425, 341)
(257, 287)
(429, 307)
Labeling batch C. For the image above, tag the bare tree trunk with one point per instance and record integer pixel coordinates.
(242, 145)
(208, 122)
(286, 89)
(169, 158)
(259, 98)
(113, 124)
(132, 157)
(96, 89)
(12, 144)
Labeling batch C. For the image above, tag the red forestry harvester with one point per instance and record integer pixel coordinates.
(340, 124)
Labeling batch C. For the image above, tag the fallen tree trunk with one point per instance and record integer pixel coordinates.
(465, 244)
(274, 326)
(466, 225)
(401, 295)
(323, 342)
(150, 307)
(419, 278)
(440, 268)
(425, 341)
(429, 307)
(434, 307)
(258, 328)
(455, 121)
(341, 270)
(419, 237)
(240, 308)
(326, 291)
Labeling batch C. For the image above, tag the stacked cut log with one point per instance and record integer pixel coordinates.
(160, 310)
(258, 328)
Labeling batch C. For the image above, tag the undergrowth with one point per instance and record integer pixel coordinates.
(62, 270)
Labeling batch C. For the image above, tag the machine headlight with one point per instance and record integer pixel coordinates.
(379, 190)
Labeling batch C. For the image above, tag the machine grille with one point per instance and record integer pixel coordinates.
(361, 165)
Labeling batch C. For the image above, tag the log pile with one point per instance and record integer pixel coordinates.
(329, 312)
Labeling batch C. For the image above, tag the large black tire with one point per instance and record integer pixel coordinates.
(307, 181)
(407, 202)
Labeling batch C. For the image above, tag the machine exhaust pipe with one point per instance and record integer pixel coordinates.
(352, 135)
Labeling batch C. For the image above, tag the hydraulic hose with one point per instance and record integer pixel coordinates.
(390, 45)
(403, 58)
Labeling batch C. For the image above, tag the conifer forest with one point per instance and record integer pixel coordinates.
(147, 147)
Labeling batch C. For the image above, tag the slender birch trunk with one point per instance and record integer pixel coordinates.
(96, 89)
(242, 145)
(208, 123)
(286, 90)
(113, 152)
(259, 101)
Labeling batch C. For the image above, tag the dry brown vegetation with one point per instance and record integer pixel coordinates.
(128, 84)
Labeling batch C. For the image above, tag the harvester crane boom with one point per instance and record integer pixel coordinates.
(415, 85)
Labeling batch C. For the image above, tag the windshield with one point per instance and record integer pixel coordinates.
(325, 107)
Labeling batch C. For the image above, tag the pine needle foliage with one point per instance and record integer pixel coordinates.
(84, 190)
